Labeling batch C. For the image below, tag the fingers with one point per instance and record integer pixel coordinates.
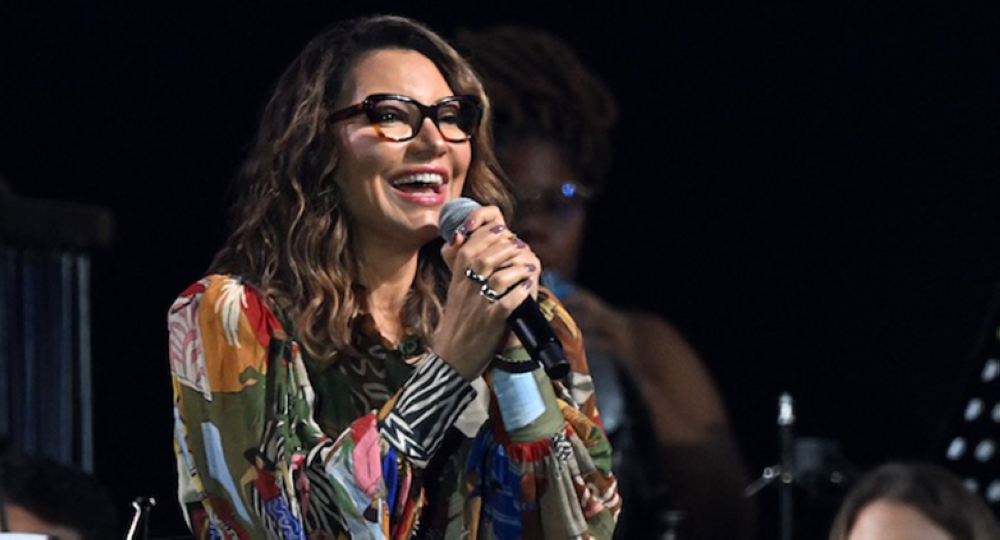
(484, 250)
(489, 255)
(503, 261)
(486, 258)
(604, 327)
(498, 280)
(493, 272)
(483, 217)
(482, 243)
(520, 273)
(486, 217)
(584, 302)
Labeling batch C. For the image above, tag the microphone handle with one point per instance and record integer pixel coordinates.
(526, 321)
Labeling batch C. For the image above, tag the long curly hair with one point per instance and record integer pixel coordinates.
(541, 89)
(292, 234)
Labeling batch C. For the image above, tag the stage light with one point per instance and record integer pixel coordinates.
(973, 409)
(956, 449)
(991, 370)
(968, 442)
(985, 450)
(993, 492)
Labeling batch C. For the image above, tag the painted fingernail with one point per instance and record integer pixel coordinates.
(527, 284)
(531, 267)
(520, 245)
(467, 226)
(497, 229)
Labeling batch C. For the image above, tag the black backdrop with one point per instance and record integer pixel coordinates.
(808, 191)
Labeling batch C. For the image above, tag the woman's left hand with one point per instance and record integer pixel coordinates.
(493, 272)
(605, 329)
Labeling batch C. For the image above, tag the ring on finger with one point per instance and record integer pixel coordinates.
(475, 276)
(489, 294)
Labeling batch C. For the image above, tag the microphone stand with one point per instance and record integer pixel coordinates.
(786, 420)
(138, 528)
(784, 471)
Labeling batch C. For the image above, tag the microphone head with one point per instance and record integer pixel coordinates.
(453, 214)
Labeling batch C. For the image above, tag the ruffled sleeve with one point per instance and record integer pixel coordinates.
(253, 463)
(551, 478)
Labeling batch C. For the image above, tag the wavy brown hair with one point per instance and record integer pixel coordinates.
(292, 234)
(932, 490)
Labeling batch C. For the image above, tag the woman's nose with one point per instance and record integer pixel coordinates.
(429, 140)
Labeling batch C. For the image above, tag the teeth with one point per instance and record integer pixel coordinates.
(420, 178)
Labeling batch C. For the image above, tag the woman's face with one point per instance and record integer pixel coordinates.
(395, 190)
(550, 222)
(888, 520)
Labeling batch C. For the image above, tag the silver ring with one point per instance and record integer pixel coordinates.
(475, 276)
(489, 294)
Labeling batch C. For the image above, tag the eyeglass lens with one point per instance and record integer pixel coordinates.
(401, 120)
(567, 198)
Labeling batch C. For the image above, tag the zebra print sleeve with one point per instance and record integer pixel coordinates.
(429, 403)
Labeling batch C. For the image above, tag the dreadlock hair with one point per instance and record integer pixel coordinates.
(541, 89)
(293, 236)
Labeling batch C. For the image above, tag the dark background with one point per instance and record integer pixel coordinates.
(808, 191)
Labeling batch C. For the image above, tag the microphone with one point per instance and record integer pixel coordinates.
(527, 321)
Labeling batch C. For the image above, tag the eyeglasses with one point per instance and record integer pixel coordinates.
(399, 118)
(566, 198)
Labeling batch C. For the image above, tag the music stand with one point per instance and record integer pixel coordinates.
(814, 465)
(45, 373)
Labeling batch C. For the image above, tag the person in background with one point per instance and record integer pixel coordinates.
(658, 403)
(344, 373)
(913, 501)
(44, 497)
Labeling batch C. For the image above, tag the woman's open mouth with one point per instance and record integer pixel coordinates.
(424, 188)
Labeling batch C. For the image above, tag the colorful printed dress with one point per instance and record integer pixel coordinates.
(391, 445)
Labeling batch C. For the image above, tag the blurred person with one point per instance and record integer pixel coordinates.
(345, 373)
(658, 403)
(913, 501)
(41, 496)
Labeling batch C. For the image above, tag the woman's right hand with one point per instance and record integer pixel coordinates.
(472, 326)
(605, 328)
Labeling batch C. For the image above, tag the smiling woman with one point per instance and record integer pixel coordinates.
(333, 375)
(395, 191)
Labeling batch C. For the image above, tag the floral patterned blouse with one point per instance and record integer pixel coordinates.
(391, 445)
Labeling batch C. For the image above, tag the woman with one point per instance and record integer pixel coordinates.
(659, 405)
(42, 498)
(913, 502)
(327, 375)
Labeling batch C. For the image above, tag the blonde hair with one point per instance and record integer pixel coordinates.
(293, 236)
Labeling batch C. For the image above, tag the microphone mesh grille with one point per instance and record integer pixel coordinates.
(453, 215)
